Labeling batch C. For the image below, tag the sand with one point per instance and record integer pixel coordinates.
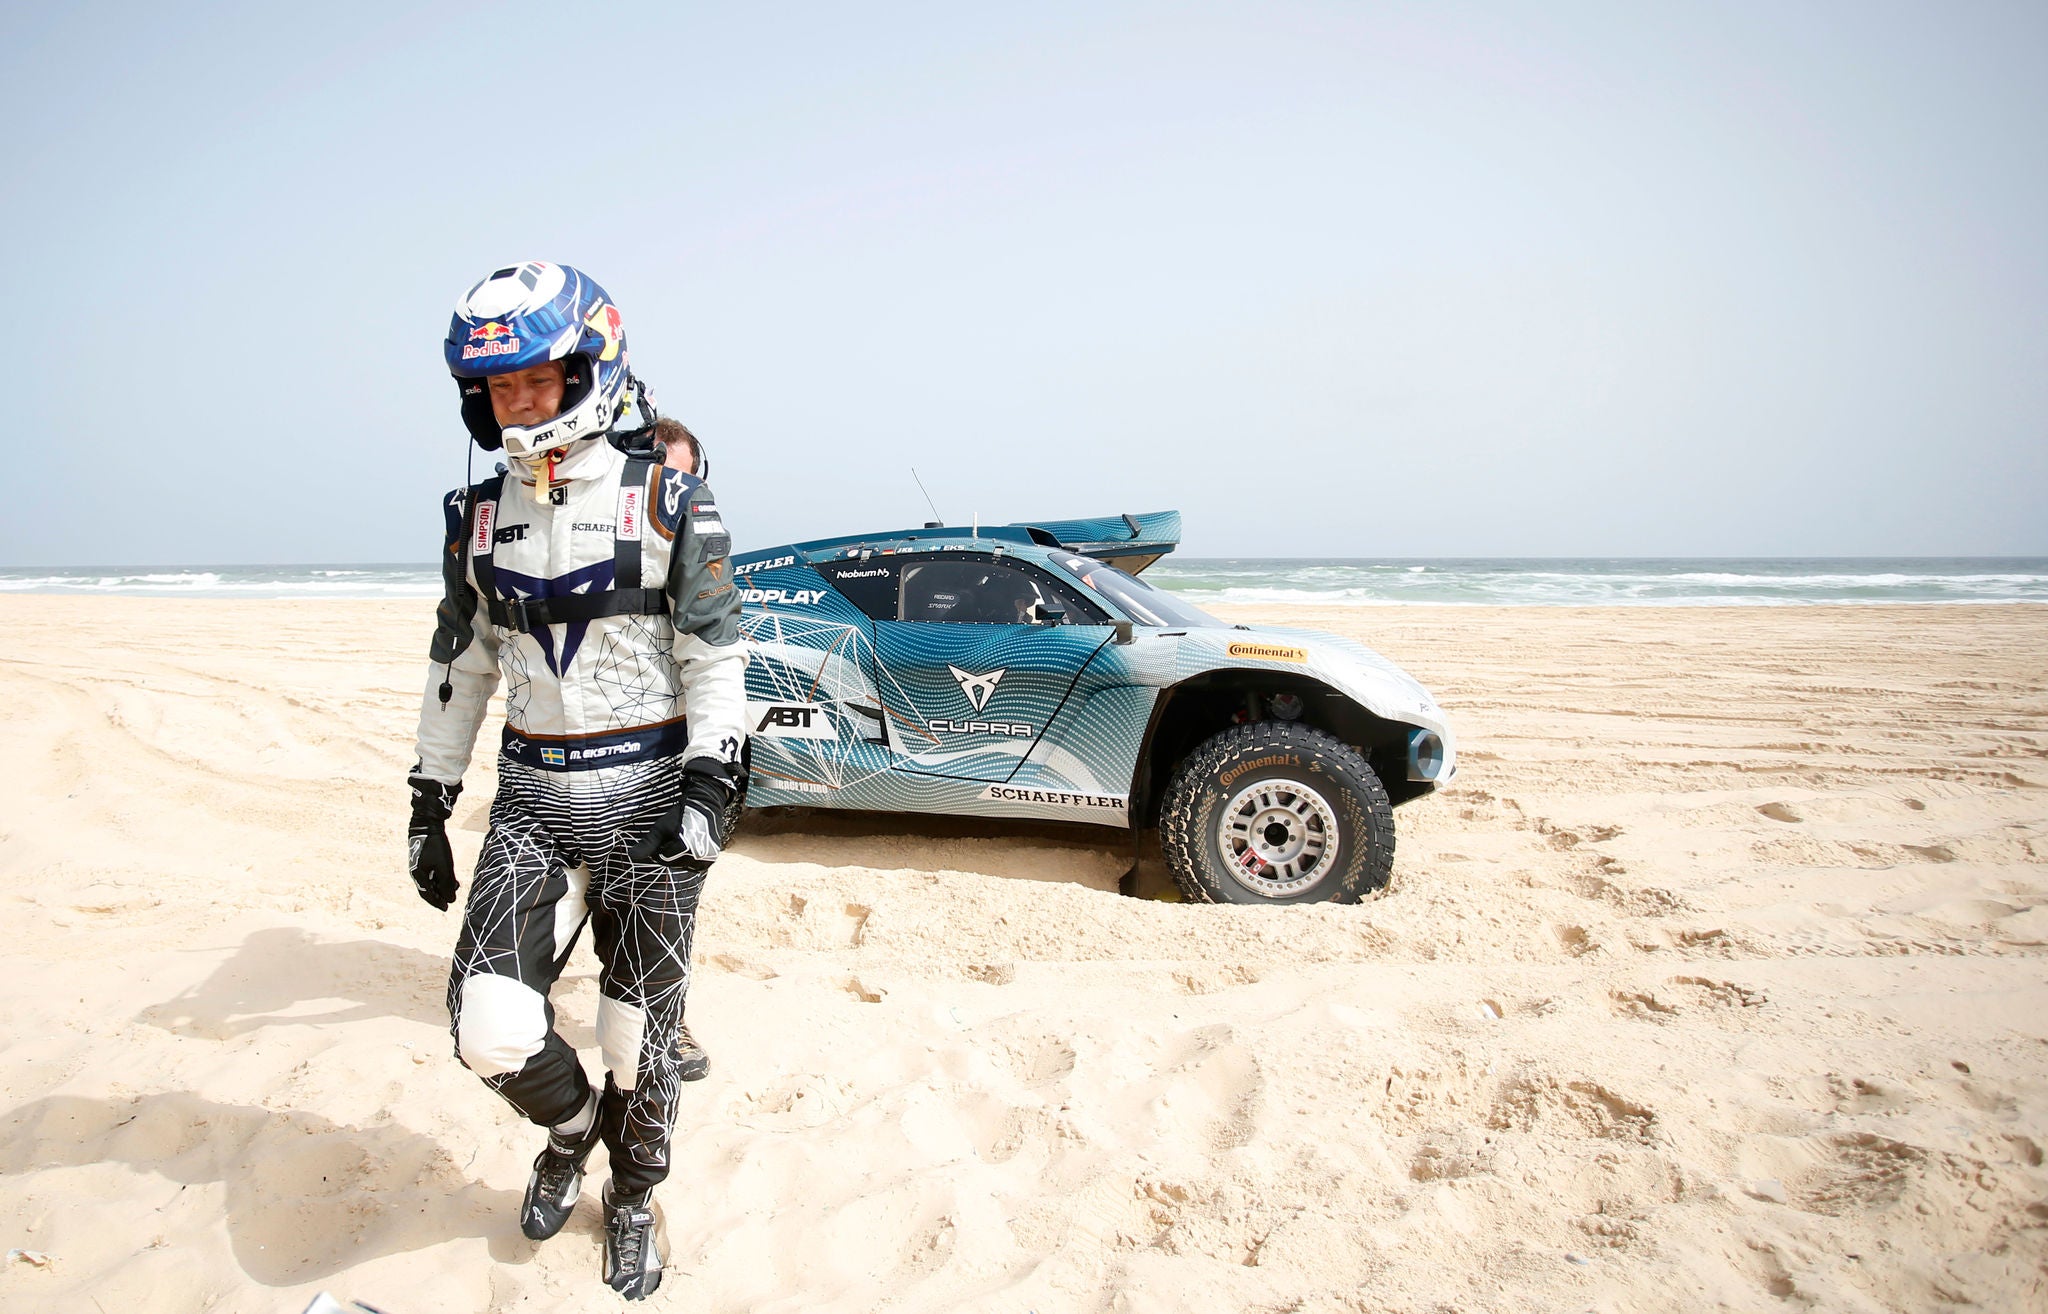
(1719, 979)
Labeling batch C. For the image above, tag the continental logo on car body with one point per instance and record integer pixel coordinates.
(1268, 652)
(1271, 760)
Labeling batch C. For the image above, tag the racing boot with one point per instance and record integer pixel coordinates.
(557, 1182)
(695, 1064)
(635, 1244)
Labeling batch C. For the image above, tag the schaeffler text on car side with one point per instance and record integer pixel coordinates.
(1025, 671)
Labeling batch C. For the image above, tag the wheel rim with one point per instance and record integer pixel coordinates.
(1277, 837)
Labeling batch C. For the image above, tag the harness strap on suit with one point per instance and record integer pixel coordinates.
(526, 615)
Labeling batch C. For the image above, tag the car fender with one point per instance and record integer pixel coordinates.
(1380, 694)
(1348, 667)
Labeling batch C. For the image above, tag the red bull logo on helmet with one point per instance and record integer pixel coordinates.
(490, 339)
(604, 319)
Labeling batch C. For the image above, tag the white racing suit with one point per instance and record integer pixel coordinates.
(610, 613)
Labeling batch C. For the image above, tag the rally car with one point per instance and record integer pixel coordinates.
(1026, 671)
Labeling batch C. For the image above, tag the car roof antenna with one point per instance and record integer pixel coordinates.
(937, 521)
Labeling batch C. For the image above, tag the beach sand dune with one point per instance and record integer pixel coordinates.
(1719, 979)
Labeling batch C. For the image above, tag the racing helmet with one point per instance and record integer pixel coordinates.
(1011, 599)
(523, 315)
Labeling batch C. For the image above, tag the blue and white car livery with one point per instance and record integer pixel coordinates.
(1026, 671)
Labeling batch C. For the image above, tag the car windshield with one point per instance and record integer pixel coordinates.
(1136, 599)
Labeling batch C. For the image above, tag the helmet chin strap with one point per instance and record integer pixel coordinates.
(546, 468)
(541, 471)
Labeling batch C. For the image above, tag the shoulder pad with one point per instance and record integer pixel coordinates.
(705, 524)
(454, 511)
(673, 501)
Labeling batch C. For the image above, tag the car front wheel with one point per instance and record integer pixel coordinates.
(1276, 812)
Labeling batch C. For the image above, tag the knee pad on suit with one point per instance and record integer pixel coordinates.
(500, 1023)
(621, 1028)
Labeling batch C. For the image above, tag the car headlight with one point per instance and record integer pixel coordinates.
(1425, 755)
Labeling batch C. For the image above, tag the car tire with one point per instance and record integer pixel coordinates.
(1305, 805)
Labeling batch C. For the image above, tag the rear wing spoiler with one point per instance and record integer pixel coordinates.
(1130, 543)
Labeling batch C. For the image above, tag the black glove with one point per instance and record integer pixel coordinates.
(692, 831)
(427, 852)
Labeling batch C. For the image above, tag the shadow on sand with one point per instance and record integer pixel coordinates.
(1063, 852)
(306, 1197)
(277, 972)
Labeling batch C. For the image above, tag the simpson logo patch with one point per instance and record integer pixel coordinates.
(480, 543)
(629, 513)
(1268, 652)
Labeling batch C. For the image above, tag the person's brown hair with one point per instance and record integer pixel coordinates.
(671, 433)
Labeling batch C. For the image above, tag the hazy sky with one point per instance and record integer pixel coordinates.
(1346, 280)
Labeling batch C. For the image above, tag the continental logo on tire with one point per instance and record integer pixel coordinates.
(1271, 760)
(1268, 652)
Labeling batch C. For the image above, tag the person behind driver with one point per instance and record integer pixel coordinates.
(679, 448)
(591, 579)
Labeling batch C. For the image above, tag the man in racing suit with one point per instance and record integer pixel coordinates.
(594, 580)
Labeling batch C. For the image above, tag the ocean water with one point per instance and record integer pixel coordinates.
(377, 581)
(1232, 581)
(1607, 581)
